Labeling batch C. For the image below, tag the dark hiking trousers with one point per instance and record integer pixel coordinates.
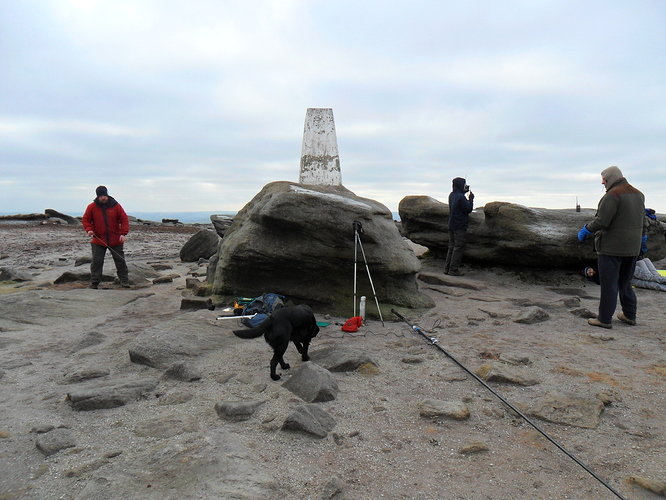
(457, 241)
(97, 264)
(615, 275)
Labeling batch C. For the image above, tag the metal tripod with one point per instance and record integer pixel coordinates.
(358, 229)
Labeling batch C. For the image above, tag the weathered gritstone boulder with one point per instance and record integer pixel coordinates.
(202, 245)
(298, 241)
(110, 394)
(312, 383)
(140, 273)
(309, 419)
(55, 440)
(214, 464)
(24, 217)
(84, 373)
(507, 374)
(54, 214)
(180, 339)
(531, 315)
(183, 371)
(236, 411)
(448, 410)
(568, 410)
(221, 223)
(509, 234)
(11, 274)
(340, 359)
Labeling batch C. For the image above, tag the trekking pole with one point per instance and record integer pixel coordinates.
(372, 285)
(433, 341)
(237, 317)
(357, 224)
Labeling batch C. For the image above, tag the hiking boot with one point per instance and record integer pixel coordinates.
(94, 286)
(446, 270)
(626, 320)
(455, 272)
(596, 322)
(125, 284)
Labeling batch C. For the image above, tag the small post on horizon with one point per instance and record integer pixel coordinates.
(577, 205)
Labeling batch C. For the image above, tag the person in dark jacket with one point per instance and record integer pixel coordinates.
(107, 224)
(619, 228)
(459, 209)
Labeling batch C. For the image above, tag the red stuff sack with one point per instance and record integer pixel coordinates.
(352, 324)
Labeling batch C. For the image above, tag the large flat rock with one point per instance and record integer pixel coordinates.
(176, 340)
(510, 234)
(52, 307)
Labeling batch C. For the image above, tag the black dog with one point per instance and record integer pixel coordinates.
(296, 323)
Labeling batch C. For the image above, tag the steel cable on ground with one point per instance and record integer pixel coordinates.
(434, 342)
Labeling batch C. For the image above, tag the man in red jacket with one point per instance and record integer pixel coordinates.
(107, 223)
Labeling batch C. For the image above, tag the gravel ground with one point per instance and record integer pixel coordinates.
(380, 447)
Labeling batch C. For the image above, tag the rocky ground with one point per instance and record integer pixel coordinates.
(597, 393)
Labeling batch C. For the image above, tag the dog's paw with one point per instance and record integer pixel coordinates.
(275, 377)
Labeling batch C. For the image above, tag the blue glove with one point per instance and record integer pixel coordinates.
(643, 245)
(584, 233)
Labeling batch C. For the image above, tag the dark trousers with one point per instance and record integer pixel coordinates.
(615, 275)
(457, 241)
(97, 264)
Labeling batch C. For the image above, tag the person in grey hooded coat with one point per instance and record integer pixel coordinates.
(619, 228)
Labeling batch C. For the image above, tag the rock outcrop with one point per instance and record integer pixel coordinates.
(298, 241)
(509, 234)
(54, 214)
(175, 341)
(221, 223)
(312, 383)
(11, 274)
(202, 245)
(110, 394)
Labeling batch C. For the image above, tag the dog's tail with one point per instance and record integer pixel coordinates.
(255, 332)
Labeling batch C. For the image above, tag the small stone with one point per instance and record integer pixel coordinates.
(658, 487)
(42, 429)
(531, 315)
(235, 411)
(333, 488)
(162, 279)
(583, 312)
(435, 409)
(472, 448)
(514, 358)
(55, 440)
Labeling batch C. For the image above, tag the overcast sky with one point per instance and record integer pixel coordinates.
(196, 105)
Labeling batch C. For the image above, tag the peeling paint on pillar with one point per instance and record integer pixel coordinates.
(320, 163)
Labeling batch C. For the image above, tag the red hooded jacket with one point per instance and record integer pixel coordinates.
(108, 222)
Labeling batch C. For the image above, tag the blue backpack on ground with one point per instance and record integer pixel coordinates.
(263, 307)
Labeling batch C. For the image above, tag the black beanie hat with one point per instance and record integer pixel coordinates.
(102, 191)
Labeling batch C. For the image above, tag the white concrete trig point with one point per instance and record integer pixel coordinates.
(320, 163)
